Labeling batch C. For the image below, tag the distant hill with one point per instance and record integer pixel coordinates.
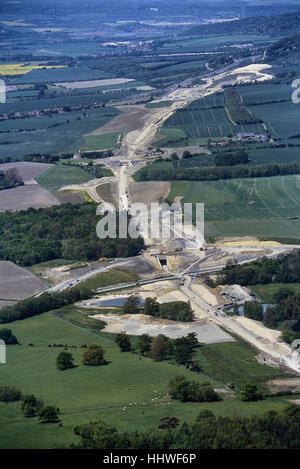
(287, 48)
(281, 25)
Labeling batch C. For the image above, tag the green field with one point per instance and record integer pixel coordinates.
(62, 175)
(235, 363)
(54, 134)
(158, 104)
(266, 292)
(211, 43)
(241, 207)
(201, 120)
(90, 393)
(101, 142)
(111, 277)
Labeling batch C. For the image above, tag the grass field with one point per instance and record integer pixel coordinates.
(111, 277)
(266, 292)
(158, 104)
(167, 137)
(62, 175)
(90, 393)
(241, 207)
(101, 142)
(235, 362)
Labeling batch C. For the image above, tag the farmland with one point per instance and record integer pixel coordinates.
(21, 68)
(61, 132)
(17, 283)
(208, 118)
(91, 393)
(101, 142)
(62, 175)
(243, 207)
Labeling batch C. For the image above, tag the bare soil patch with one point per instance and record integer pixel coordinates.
(108, 192)
(290, 384)
(71, 85)
(206, 331)
(149, 192)
(28, 171)
(70, 197)
(17, 283)
(131, 118)
(24, 197)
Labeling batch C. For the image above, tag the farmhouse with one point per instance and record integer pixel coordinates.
(246, 136)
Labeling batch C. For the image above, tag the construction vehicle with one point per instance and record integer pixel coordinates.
(103, 259)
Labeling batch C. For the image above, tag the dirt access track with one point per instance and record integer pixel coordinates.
(31, 195)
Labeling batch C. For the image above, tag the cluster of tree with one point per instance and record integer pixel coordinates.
(253, 310)
(161, 347)
(284, 269)
(9, 394)
(66, 231)
(250, 393)
(43, 303)
(31, 406)
(236, 109)
(191, 391)
(215, 173)
(93, 356)
(231, 159)
(287, 312)
(10, 178)
(174, 310)
(288, 46)
(7, 336)
(272, 430)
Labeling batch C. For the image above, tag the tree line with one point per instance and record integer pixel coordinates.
(10, 178)
(215, 173)
(42, 304)
(284, 269)
(271, 430)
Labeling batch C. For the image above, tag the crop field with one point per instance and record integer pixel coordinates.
(200, 121)
(95, 83)
(24, 197)
(261, 93)
(61, 132)
(86, 393)
(62, 175)
(80, 72)
(22, 68)
(17, 283)
(281, 118)
(260, 155)
(27, 170)
(244, 207)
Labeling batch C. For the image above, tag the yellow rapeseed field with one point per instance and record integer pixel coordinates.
(22, 68)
